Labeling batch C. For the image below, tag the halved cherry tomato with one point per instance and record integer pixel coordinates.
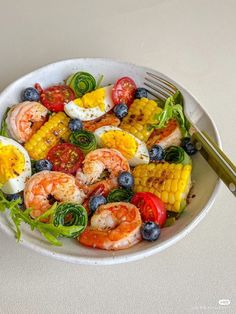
(66, 158)
(55, 97)
(123, 91)
(150, 206)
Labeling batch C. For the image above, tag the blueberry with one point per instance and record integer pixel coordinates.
(140, 93)
(43, 164)
(150, 231)
(75, 125)
(188, 146)
(14, 197)
(95, 202)
(121, 110)
(30, 94)
(156, 153)
(126, 180)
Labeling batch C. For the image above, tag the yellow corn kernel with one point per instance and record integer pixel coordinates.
(139, 127)
(151, 167)
(132, 130)
(168, 185)
(181, 184)
(184, 175)
(177, 174)
(178, 195)
(185, 172)
(171, 167)
(171, 198)
(187, 168)
(165, 196)
(139, 136)
(165, 166)
(174, 185)
(176, 205)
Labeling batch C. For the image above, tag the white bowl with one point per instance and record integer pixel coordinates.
(205, 180)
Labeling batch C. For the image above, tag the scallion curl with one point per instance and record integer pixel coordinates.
(85, 140)
(177, 155)
(81, 83)
(71, 218)
(119, 195)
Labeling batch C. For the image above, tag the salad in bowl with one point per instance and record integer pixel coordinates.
(99, 162)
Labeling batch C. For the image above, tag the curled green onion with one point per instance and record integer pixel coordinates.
(71, 218)
(81, 83)
(177, 155)
(85, 140)
(119, 195)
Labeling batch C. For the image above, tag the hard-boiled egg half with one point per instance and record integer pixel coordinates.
(91, 105)
(130, 146)
(15, 166)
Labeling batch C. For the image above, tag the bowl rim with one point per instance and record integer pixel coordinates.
(110, 260)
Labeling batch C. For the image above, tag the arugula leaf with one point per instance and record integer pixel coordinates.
(178, 98)
(3, 129)
(166, 114)
(49, 230)
(173, 110)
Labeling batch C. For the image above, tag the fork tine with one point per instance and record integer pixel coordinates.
(160, 79)
(157, 90)
(154, 82)
(155, 95)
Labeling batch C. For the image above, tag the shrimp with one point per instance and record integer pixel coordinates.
(114, 226)
(94, 165)
(167, 136)
(24, 119)
(46, 187)
(107, 119)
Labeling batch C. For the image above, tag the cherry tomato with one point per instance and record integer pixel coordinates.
(55, 97)
(124, 91)
(150, 206)
(66, 158)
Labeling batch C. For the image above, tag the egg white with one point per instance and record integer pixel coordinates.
(17, 184)
(86, 114)
(141, 156)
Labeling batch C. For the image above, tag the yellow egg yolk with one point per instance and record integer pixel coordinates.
(12, 163)
(93, 99)
(123, 142)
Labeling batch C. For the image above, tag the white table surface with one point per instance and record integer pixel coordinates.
(194, 42)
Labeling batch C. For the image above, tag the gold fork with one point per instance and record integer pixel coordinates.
(220, 163)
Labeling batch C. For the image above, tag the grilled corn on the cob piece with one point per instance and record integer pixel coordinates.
(140, 116)
(170, 182)
(50, 134)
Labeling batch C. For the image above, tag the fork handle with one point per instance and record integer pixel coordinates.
(219, 162)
